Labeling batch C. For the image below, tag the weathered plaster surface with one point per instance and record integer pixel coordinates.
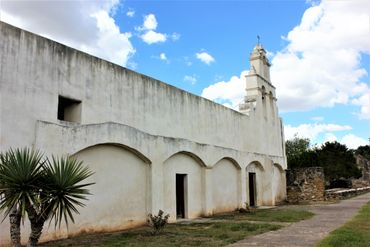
(136, 133)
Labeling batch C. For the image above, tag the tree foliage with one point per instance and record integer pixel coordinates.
(299, 154)
(364, 151)
(336, 159)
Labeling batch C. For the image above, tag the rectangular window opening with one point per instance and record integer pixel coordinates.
(69, 109)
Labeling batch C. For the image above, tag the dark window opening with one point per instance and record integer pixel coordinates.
(69, 109)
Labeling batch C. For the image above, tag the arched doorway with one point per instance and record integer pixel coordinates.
(253, 173)
(183, 186)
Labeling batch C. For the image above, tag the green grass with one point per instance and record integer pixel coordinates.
(219, 230)
(355, 233)
(195, 234)
(268, 215)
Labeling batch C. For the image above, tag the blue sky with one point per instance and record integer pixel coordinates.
(319, 51)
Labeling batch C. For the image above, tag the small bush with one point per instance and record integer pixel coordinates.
(247, 209)
(158, 222)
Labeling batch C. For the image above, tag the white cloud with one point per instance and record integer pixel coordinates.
(364, 102)
(162, 56)
(205, 57)
(321, 133)
(330, 137)
(96, 32)
(321, 64)
(150, 22)
(148, 33)
(230, 92)
(130, 13)
(175, 36)
(112, 44)
(151, 37)
(352, 141)
(192, 79)
(311, 131)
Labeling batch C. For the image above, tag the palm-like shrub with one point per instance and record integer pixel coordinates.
(60, 192)
(20, 173)
(44, 189)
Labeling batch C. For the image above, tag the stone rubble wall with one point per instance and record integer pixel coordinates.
(339, 194)
(305, 185)
(364, 165)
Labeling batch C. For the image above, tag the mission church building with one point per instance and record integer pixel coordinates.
(150, 145)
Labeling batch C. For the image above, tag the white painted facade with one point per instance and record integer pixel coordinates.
(136, 133)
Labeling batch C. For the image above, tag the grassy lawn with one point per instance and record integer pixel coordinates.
(355, 233)
(268, 215)
(195, 234)
(216, 231)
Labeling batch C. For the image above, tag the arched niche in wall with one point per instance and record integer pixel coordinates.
(183, 185)
(278, 183)
(225, 185)
(254, 172)
(272, 106)
(120, 194)
(264, 107)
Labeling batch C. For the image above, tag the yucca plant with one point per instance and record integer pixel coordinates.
(60, 193)
(20, 174)
(44, 189)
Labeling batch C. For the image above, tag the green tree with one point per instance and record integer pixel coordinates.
(41, 188)
(297, 152)
(364, 151)
(338, 161)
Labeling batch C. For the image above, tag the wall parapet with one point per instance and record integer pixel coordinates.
(69, 139)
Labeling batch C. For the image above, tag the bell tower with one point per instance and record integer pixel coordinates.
(260, 93)
(259, 63)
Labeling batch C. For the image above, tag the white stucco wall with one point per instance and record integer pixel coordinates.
(225, 186)
(120, 195)
(135, 133)
(278, 184)
(44, 69)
